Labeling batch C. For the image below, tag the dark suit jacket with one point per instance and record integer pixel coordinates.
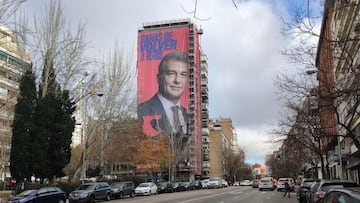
(153, 118)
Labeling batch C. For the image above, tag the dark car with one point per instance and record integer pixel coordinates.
(165, 187)
(321, 188)
(342, 195)
(41, 195)
(304, 188)
(184, 186)
(89, 192)
(122, 189)
(195, 185)
(176, 186)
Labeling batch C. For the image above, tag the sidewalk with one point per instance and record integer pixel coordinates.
(5, 195)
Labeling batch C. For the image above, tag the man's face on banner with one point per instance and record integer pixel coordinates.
(172, 81)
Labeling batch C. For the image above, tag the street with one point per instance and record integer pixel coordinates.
(225, 195)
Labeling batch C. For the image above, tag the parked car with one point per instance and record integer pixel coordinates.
(41, 195)
(304, 188)
(281, 184)
(245, 183)
(224, 183)
(122, 189)
(215, 182)
(255, 183)
(342, 195)
(165, 187)
(148, 188)
(185, 186)
(204, 183)
(266, 184)
(321, 188)
(89, 192)
(176, 187)
(310, 193)
(195, 185)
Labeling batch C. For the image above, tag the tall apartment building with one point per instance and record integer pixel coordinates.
(155, 41)
(14, 61)
(205, 116)
(338, 64)
(222, 139)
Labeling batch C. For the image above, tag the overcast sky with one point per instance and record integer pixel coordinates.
(242, 43)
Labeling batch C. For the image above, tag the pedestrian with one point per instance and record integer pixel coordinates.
(287, 188)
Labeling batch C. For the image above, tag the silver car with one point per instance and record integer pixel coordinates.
(266, 184)
(215, 182)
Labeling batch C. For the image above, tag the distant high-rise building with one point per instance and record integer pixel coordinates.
(14, 61)
(222, 139)
(159, 90)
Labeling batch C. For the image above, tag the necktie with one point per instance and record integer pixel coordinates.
(177, 125)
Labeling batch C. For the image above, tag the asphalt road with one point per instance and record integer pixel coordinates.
(232, 194)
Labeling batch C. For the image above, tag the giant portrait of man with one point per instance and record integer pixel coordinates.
(163, 112)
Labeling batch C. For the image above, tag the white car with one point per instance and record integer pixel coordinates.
(215, 182)
(149, 188)
(266, 184)
(204, 183)
(224, 183)
(245, 183)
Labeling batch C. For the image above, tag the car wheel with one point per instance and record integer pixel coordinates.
(92, 199)
(132, 194)
(61, 201)
(108, 197)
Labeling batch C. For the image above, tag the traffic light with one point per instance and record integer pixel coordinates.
(278, 157)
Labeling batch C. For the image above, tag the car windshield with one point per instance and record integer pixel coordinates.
(144, 185)
(213, 179)
(27, 192)
(327, 187)
(117, 184)
(86, 187)
(265, 181)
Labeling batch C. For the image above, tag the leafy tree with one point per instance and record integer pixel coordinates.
(59, 151)
(151, 154)
(23, 129)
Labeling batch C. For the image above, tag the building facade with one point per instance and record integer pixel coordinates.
(338, 65)
(155, 41)
(14, 62)
(221, 141)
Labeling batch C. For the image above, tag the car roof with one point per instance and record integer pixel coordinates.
(352, 191)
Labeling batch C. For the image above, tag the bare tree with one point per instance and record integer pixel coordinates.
(54, 44)
(110, 100)
(8, 8)
(338, 92)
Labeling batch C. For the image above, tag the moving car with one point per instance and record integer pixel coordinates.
(89, 192)
(342, 195)
(122, 189)
(148, 188)
(41, 195)
(266, 184)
